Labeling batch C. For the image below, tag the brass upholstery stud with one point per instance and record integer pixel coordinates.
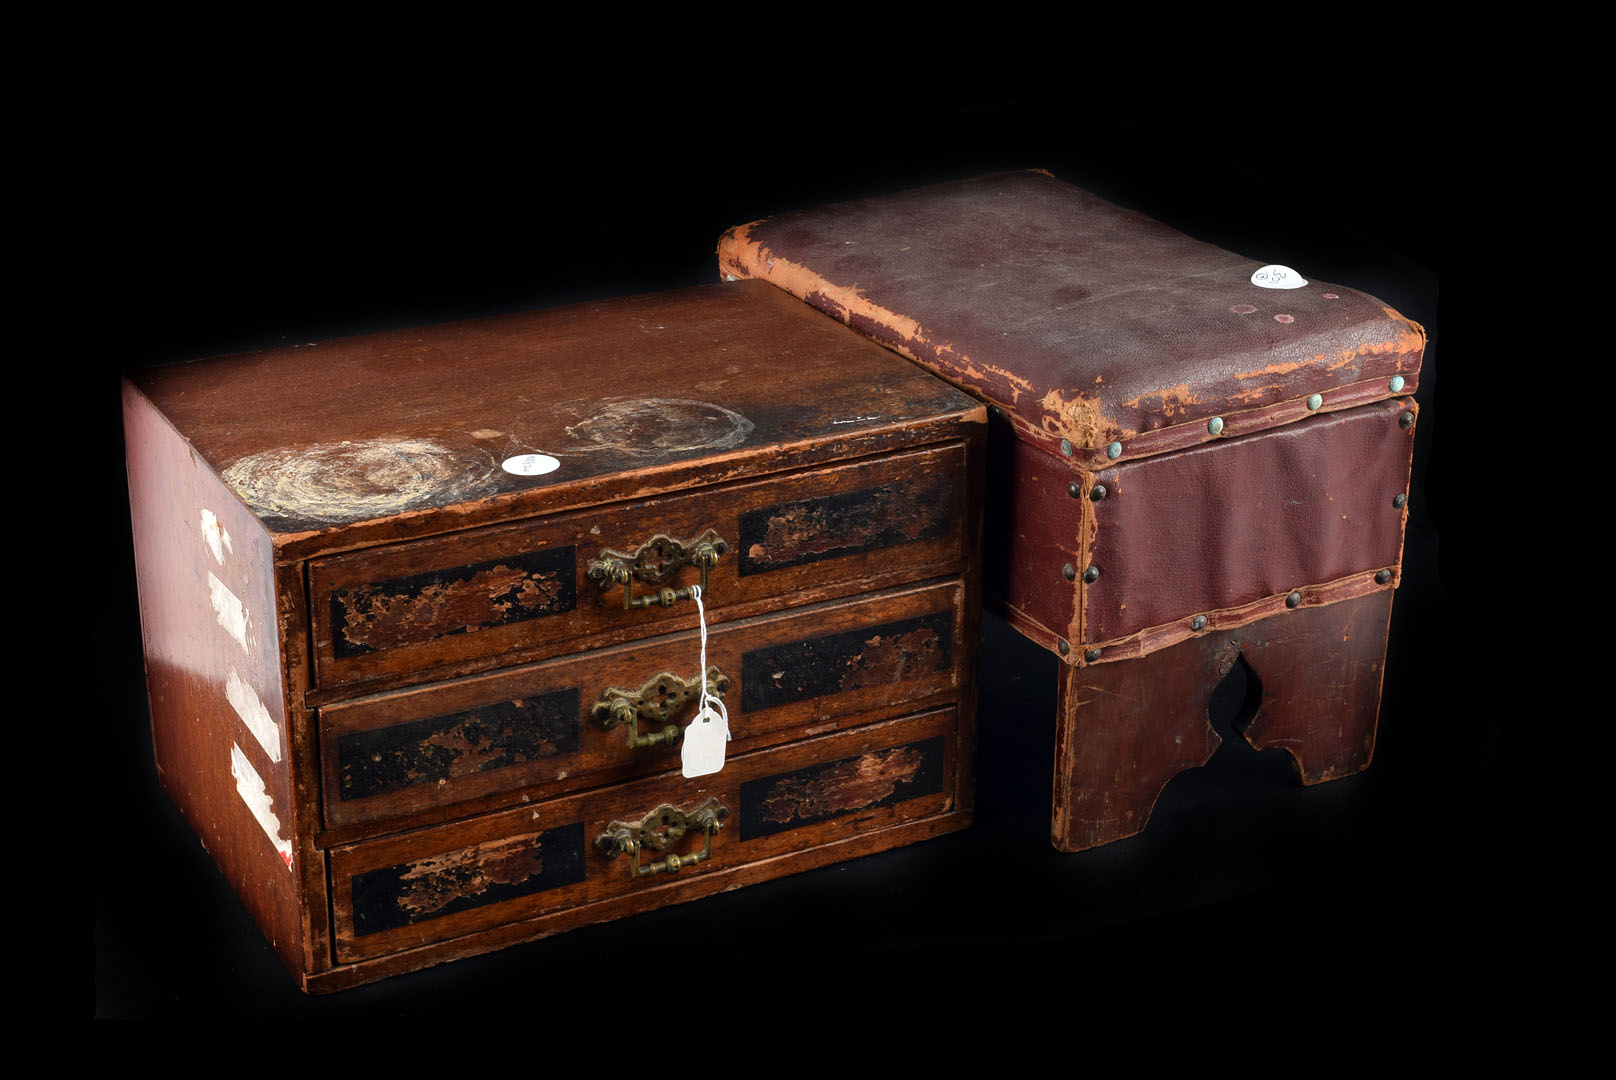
(1091, 575)
(1215, 425)
(1068, 571)
(1406, 421)
(1097, 492)
(1400, 500)
(1198, 623)
(1314, 401)
(1114, 450)
(1293, 600)
(1064, 648)
(1396, 384)
(1075, 490)
(1382, 577)
(1066, 447)
(1092, 655)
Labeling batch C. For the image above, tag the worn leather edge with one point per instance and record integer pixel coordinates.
(1156, 638)
(1024, 624)
(1160, 637)
(1182, 436)
(1088, 531)
(739, 256)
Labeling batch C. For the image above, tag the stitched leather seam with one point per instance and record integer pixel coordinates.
(1160, 637)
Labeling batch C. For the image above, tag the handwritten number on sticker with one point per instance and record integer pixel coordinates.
(1275, 276)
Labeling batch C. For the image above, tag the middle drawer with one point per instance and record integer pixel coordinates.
(561, 725)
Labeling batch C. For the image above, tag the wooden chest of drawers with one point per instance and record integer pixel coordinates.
(420, 635)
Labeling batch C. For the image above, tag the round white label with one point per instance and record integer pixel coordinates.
(530, 464)
(1278, 277)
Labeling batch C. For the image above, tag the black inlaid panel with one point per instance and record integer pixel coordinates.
(471, 877)
(445, 747)
(791, 534)
(821, 792)
(421, 607)
(877, 655)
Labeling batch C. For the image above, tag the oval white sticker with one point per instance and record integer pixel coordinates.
(530, 464)
(1278, 277)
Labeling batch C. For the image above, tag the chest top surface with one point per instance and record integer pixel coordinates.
(618, 399)
(1086, 321)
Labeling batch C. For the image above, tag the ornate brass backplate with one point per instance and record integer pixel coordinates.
(656, 561)
(659, 830)
(660, 698)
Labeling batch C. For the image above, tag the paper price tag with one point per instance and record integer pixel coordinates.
(703, 748)
(1278, 277)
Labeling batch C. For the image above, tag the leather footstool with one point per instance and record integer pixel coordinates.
(1196, 460)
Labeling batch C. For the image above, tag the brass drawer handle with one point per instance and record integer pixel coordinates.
(661, 828)
(657, 560)
(660, 697)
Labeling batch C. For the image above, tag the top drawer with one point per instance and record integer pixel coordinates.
(520, 592)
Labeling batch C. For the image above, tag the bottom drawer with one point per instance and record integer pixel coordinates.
(551, 861)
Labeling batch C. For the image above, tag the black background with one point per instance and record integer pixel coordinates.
(245, 207)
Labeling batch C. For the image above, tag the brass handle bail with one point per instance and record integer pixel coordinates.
(654, 563)
(659, 699)
(659, 830)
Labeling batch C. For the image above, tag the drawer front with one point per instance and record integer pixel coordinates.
(546, 725)
(525, 591)
(458, 879)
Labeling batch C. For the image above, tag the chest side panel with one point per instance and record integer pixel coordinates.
(213, 653)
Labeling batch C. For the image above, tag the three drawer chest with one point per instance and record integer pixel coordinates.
(432, 617)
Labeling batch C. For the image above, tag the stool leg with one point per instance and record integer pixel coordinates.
(1125, 730)
(1321, 670)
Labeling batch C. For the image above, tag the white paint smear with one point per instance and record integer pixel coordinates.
(213, 533)
(530, 464)
(1276, 276)
(253, 714)
(231, 611)
(252, 791)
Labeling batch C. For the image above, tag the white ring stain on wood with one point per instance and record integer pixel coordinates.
(231, 612)
(213, 534)
(253, 714)
(360, 479)
(252, 791)
(657, 427)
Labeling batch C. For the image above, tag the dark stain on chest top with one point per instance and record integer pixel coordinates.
(410, 610)
(818, 793)
(870, 656)
(791, 534)
(443, 748)
(469, 877)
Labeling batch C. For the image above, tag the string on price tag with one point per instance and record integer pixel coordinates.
(703, 750)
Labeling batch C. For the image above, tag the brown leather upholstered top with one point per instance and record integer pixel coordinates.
(1086, 321)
